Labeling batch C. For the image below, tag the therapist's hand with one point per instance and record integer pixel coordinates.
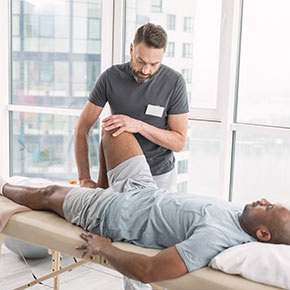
(88, 183)
(124, 123)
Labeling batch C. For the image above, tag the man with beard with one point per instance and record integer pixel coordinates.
(189, 229)
(146, 98)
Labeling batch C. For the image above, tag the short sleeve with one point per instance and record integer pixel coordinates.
(179, 102)
(201, 247)
(98, 95)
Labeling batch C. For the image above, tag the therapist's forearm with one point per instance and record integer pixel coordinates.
(166, 138)
(81, 148)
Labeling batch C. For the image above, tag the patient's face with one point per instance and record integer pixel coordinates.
(263, 212)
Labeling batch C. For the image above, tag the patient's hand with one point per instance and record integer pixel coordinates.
(93, 244)
(88, 183)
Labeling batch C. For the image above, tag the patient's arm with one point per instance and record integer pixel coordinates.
(167, 264)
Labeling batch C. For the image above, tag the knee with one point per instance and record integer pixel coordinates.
(107, 136)
(48, 191)
(123, 138)
(109, 132)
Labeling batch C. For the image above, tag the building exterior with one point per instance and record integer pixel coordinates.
(56, 55)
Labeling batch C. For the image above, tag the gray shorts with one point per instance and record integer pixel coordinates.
(84, 206)
(166, 180)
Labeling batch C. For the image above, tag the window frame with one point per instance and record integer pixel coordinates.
(187, 50)
(4, 87)
(170, 50)
(112, 43)
(188, 25)
(7, 108)
(171, 22)
(156, 7)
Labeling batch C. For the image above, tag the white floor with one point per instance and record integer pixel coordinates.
(15, 273)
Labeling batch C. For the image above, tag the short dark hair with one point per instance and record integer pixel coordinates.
(152, 35)
(281, 232)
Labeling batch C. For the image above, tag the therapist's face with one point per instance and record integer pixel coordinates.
(145, 61)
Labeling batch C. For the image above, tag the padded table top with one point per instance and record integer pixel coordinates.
(48, 230)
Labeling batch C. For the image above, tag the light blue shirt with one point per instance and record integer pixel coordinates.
(198, 226)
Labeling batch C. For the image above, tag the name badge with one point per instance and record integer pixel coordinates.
(156, 111)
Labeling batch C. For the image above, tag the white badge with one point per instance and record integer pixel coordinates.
(156, 111)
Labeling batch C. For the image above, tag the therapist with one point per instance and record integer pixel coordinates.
(146, 98)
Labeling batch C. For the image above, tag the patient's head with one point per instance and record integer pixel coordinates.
(267, 222)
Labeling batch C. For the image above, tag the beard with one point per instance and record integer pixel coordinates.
(140, 79)
(138, 75)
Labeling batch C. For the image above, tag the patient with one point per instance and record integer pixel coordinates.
(190, 229)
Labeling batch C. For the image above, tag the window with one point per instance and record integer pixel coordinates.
(264, 86)
(262, 151)
(170, 50)
(182, 186)
(141, 19)
(182, 166)
(46, 72)
(262, 165)
(244, 151)
(202, 57)
(93, 71)
(43, 146)
(94, 28)
(188, 24)
(48, 32)
(31, 25)
(189, 97)
(171, 19)
(204, 155)
(156, 6)
(46, 26)
(56, 61)
(187, 50)
(86, 27)
(186, 147)
(187, 74)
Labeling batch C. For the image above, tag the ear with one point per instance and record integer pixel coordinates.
(263, 234)
(131, 49)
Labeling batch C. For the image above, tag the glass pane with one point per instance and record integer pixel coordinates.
(42, 146)
(262, 165)
(198, 163)
(264, 87)
(187, 22)
(52, 44)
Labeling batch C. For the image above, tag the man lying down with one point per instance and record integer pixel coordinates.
(190, 229)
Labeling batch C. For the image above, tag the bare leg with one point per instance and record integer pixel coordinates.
(102, 178)
(119, 149)
(113, 151)
(116, 150)
(47, 198)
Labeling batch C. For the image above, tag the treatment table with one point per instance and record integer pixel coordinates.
(48, 230)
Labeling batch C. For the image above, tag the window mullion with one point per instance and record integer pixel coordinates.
(107, 34)
(118, 31)
(114, 39)
(229, 49)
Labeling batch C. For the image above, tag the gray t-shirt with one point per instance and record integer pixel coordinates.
(198, 226)
(166, 88)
